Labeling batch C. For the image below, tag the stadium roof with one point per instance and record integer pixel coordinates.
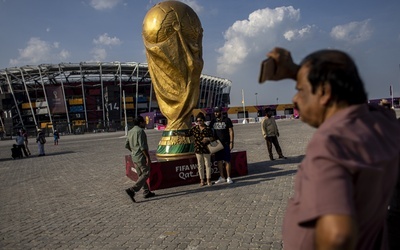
(82, 72)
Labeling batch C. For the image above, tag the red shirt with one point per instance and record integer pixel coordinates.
(350, 168)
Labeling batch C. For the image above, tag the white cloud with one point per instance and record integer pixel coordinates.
(38, 51)
(99, 54)
(297, 33)
(249, 36)
(354, 32)
(104, 4)
(64, 54)
(107, 40)
(48, 29)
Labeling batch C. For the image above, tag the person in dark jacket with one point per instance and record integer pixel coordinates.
(223, 131)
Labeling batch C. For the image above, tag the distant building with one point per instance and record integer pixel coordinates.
(78, 97)
(252, 113)
(387, 102)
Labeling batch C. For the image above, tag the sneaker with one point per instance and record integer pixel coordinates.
(282, 157)
(220, 180)
(131, 194)
(229, 180)
(149, 195)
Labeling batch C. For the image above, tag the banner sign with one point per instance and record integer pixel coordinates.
(55, 99)
(166, 174)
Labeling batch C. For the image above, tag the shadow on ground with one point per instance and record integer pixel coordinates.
(35, 156)
(258, 172)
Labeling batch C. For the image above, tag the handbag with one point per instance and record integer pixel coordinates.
(215, 146)
(42, 140)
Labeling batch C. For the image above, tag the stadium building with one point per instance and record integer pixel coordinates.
(79, 97)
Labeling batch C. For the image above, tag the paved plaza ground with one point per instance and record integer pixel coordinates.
(73, 198)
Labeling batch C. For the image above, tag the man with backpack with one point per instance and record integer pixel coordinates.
(41, 140)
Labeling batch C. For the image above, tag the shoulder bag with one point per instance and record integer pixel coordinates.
(215, 146)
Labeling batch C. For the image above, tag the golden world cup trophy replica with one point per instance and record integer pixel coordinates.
(172, 35)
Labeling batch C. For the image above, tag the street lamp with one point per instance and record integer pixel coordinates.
(256, 99)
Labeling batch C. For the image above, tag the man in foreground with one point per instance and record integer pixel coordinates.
(136, 142)
(344, 183)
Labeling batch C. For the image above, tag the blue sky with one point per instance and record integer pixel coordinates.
(237, 35)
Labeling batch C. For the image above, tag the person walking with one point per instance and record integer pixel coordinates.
(271, 133)
(25, 135)
(41, 140)
(136, 143)
(344, 183)
(202, 135)
(21, 144)
(223, 131)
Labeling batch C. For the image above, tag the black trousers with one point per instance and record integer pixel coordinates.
(273, 140)
(22, 147)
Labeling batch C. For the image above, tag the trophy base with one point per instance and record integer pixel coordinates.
(174, 144)
(183, 171)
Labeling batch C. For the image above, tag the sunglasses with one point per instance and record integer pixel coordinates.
(199, 120)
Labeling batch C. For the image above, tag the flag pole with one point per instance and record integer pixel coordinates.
(244, 109)
(126, 120)
(391, 95)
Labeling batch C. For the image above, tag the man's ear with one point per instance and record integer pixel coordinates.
(325, 94)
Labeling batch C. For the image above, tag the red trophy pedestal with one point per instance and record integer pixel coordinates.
(167, 173)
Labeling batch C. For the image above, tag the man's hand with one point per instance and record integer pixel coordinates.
(147, 155)
(127, 146)
(335, 232)
(148, 161)
(285, 67)
(206, 140)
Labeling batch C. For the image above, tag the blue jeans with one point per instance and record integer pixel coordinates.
(41, 148)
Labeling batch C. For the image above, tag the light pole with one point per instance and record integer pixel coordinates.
(256, 99)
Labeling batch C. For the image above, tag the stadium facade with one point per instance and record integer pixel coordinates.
(78, 97)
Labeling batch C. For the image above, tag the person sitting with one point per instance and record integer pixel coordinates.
(16, 152)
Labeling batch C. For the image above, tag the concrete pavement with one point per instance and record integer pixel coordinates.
(73, 198)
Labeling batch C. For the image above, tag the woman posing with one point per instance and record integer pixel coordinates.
(202, 135)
